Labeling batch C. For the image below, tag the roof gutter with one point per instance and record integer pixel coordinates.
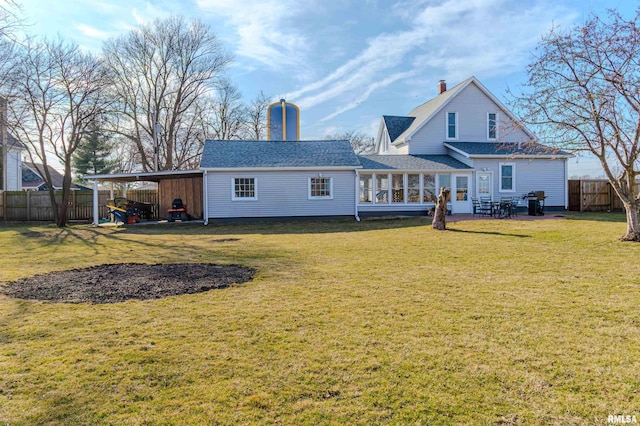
(271, 169)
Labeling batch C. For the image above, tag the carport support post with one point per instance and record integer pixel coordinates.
(96, 214)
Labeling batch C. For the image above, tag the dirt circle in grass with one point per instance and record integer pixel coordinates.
(125, 281)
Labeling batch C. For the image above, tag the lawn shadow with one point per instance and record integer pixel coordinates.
(276, 227)
(618, 217)
(502, 234)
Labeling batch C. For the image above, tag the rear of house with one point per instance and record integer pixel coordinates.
(474, 146)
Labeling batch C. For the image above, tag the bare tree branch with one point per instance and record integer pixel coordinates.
(583, 94)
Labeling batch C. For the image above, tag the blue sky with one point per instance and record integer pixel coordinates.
(346, 63)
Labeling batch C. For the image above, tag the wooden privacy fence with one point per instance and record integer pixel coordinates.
(36, 205)
(593, 195)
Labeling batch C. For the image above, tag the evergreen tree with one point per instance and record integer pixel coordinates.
(93, 155)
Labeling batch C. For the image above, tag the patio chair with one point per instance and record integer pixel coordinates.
(515, 201)
(477, 208)
(506, 204)
(486, 207)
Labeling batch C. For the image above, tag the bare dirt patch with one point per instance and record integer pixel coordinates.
(125, 281)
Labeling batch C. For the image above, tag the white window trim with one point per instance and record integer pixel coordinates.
(446, 125)
(233, 189)
(513, 177)
(488, 126)
(310, 197)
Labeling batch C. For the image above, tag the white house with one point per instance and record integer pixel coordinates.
(14, 164)
(463, 139)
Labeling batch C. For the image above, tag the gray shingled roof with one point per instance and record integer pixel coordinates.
(13, 142)
(219, 154)
(411, 162)
(505, 148)
(31, 178)
(396, 125)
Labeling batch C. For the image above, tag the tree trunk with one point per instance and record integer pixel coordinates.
(439, 217)
(61, 221)
(633, 227)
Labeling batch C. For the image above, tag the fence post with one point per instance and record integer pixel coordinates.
(28, 205)
(581, 195)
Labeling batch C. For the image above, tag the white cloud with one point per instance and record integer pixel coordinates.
(93, 32)
(264, 28)
(455, 38)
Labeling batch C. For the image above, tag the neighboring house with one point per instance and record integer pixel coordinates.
(14, 163)
(33, 181)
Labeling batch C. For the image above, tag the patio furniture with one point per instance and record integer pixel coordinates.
(503, 208)
(485, 207)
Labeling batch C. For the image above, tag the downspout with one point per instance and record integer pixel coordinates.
(96, 213)
(357, 192)
(205, 197)
(566, 183)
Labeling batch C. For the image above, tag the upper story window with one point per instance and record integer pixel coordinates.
(507, 177)
(320, 187)
(492, 125)
(452, 125)
(244, 189)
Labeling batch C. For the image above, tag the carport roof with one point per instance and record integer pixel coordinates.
(145, 176)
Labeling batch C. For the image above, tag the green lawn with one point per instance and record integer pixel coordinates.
(378, 322)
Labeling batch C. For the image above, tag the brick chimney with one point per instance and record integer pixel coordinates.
(442, 87)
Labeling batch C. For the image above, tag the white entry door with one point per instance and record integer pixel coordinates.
(484, 183)
(461, 198)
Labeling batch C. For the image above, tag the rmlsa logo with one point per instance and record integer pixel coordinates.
(621, 419)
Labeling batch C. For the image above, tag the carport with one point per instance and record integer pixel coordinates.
(184, 184)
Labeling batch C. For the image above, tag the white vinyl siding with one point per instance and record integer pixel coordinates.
(14, 170)
(471, 106)
(531, 175)
(281, 193)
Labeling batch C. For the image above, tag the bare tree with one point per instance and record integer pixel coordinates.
(10, 18)
(256, 118)
(57, 94)
(583, 94)
(227, 116)
(360, 142)
(163, 71)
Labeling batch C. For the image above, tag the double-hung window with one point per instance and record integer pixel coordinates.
(492, 125)
(452, 125)
(507, 177)
(320, 188)
(244, 189)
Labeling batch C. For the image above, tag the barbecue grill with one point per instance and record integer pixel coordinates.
(535, 201)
